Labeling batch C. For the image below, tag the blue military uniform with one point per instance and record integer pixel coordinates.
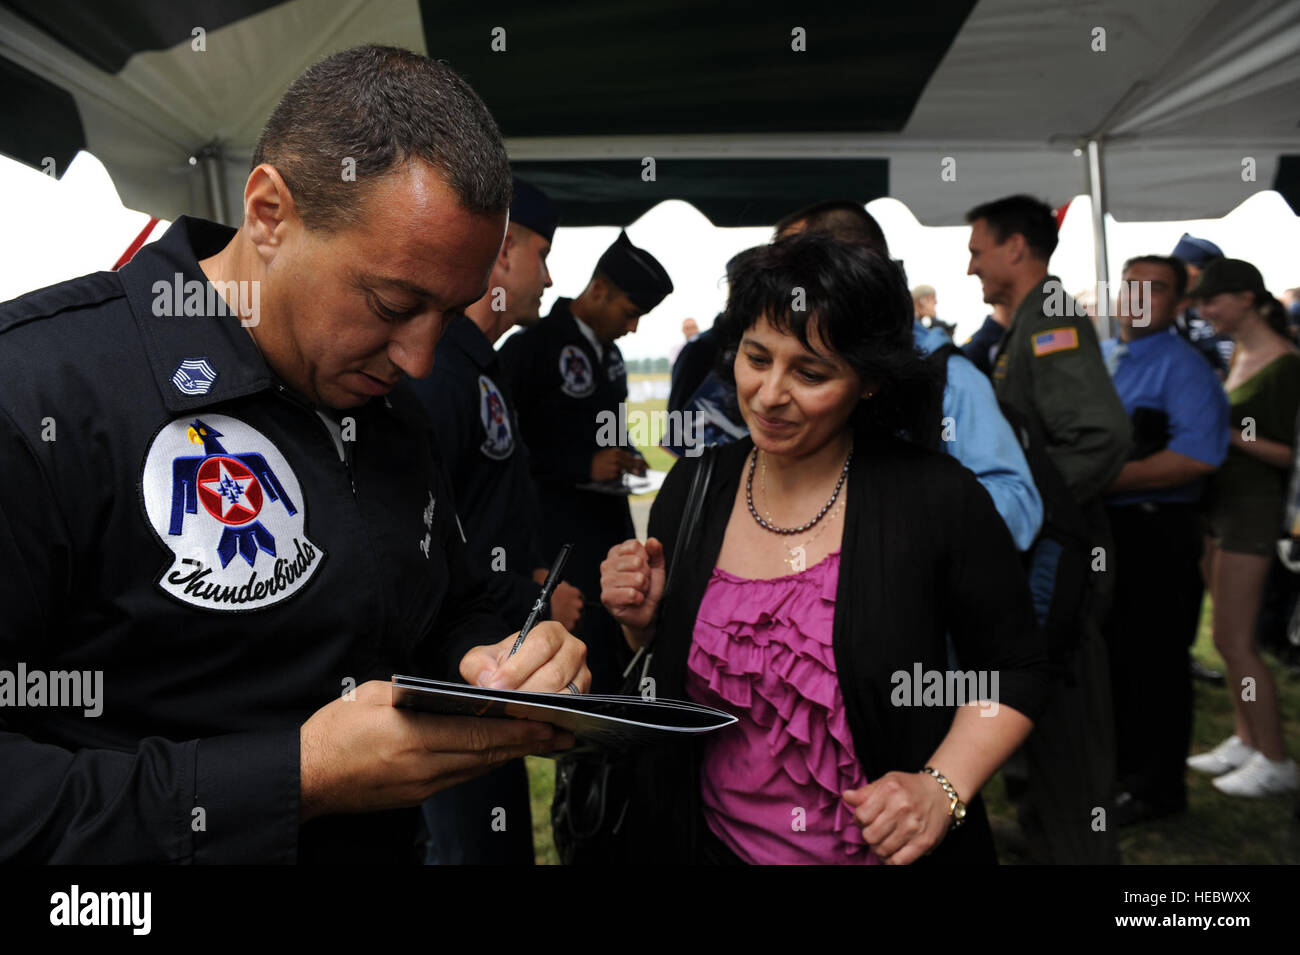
(176, 517)
(1176, 403)
(981, 346)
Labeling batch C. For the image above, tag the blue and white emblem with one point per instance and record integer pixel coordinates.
(224, 500)
(499, 441)
(194, 376)
(575, 369)
(616, 367)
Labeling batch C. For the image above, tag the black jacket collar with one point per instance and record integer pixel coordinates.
(166, 274)
(463, 334)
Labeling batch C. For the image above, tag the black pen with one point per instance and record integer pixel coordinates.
(548, 587)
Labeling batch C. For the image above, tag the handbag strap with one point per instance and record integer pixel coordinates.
(686, 532)
(691, 514)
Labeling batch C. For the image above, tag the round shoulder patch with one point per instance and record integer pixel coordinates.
(224, 500)
(499, 441)
(575, 369)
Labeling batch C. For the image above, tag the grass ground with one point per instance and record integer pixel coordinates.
(655, 456)
(1215, 828)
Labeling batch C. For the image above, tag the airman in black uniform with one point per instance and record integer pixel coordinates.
(570, 383)
(222, 505)
(487, 821)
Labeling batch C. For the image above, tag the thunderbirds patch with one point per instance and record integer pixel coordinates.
(223, 499)
(499, 441)
(575, 369)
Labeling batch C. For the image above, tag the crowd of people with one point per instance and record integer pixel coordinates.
(1165, 451)
(377, 488)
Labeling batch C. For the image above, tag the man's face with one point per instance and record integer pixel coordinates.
(1147, 295)
(527, 276)
(615, 314)
(990, 261)
(350, 311)
(926, 306)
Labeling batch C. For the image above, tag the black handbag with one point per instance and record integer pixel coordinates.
(593, 793)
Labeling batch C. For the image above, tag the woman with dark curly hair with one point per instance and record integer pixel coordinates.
(832, 558)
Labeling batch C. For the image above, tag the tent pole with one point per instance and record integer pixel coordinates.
(214, 181)
(1096, 189)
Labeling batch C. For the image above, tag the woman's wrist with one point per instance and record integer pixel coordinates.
(952, 802)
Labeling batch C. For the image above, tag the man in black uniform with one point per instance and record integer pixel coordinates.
(475, 422)
(219, 496)
(487, 821)
(568, 378)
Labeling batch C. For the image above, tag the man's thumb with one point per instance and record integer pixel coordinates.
(654, 552)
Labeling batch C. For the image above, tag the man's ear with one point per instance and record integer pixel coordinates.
(507, 247)
(269, 211)
(1016, 248)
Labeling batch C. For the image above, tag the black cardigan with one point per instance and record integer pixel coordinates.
(924, 554)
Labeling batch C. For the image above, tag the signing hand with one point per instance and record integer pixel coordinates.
(903, 816)
(550, 659)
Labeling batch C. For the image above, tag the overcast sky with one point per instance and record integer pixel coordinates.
(58, 229)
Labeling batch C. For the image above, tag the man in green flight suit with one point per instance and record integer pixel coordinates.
(1049, 371)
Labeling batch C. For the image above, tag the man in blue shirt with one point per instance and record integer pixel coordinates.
(981, 348)
(974, 432)
(1180, 435)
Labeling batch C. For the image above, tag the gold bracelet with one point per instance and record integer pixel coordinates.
(956, 808)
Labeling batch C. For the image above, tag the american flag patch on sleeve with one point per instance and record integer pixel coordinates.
(1057, 339)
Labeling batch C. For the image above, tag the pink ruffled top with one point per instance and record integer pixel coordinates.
(771, 784)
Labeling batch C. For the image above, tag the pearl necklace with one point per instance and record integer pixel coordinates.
(766, 525)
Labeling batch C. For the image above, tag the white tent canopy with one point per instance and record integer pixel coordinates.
(1193, 104)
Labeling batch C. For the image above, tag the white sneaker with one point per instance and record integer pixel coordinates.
(1260, 776)
(1231, 754)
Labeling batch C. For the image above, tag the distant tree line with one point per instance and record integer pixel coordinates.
(648, 366)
